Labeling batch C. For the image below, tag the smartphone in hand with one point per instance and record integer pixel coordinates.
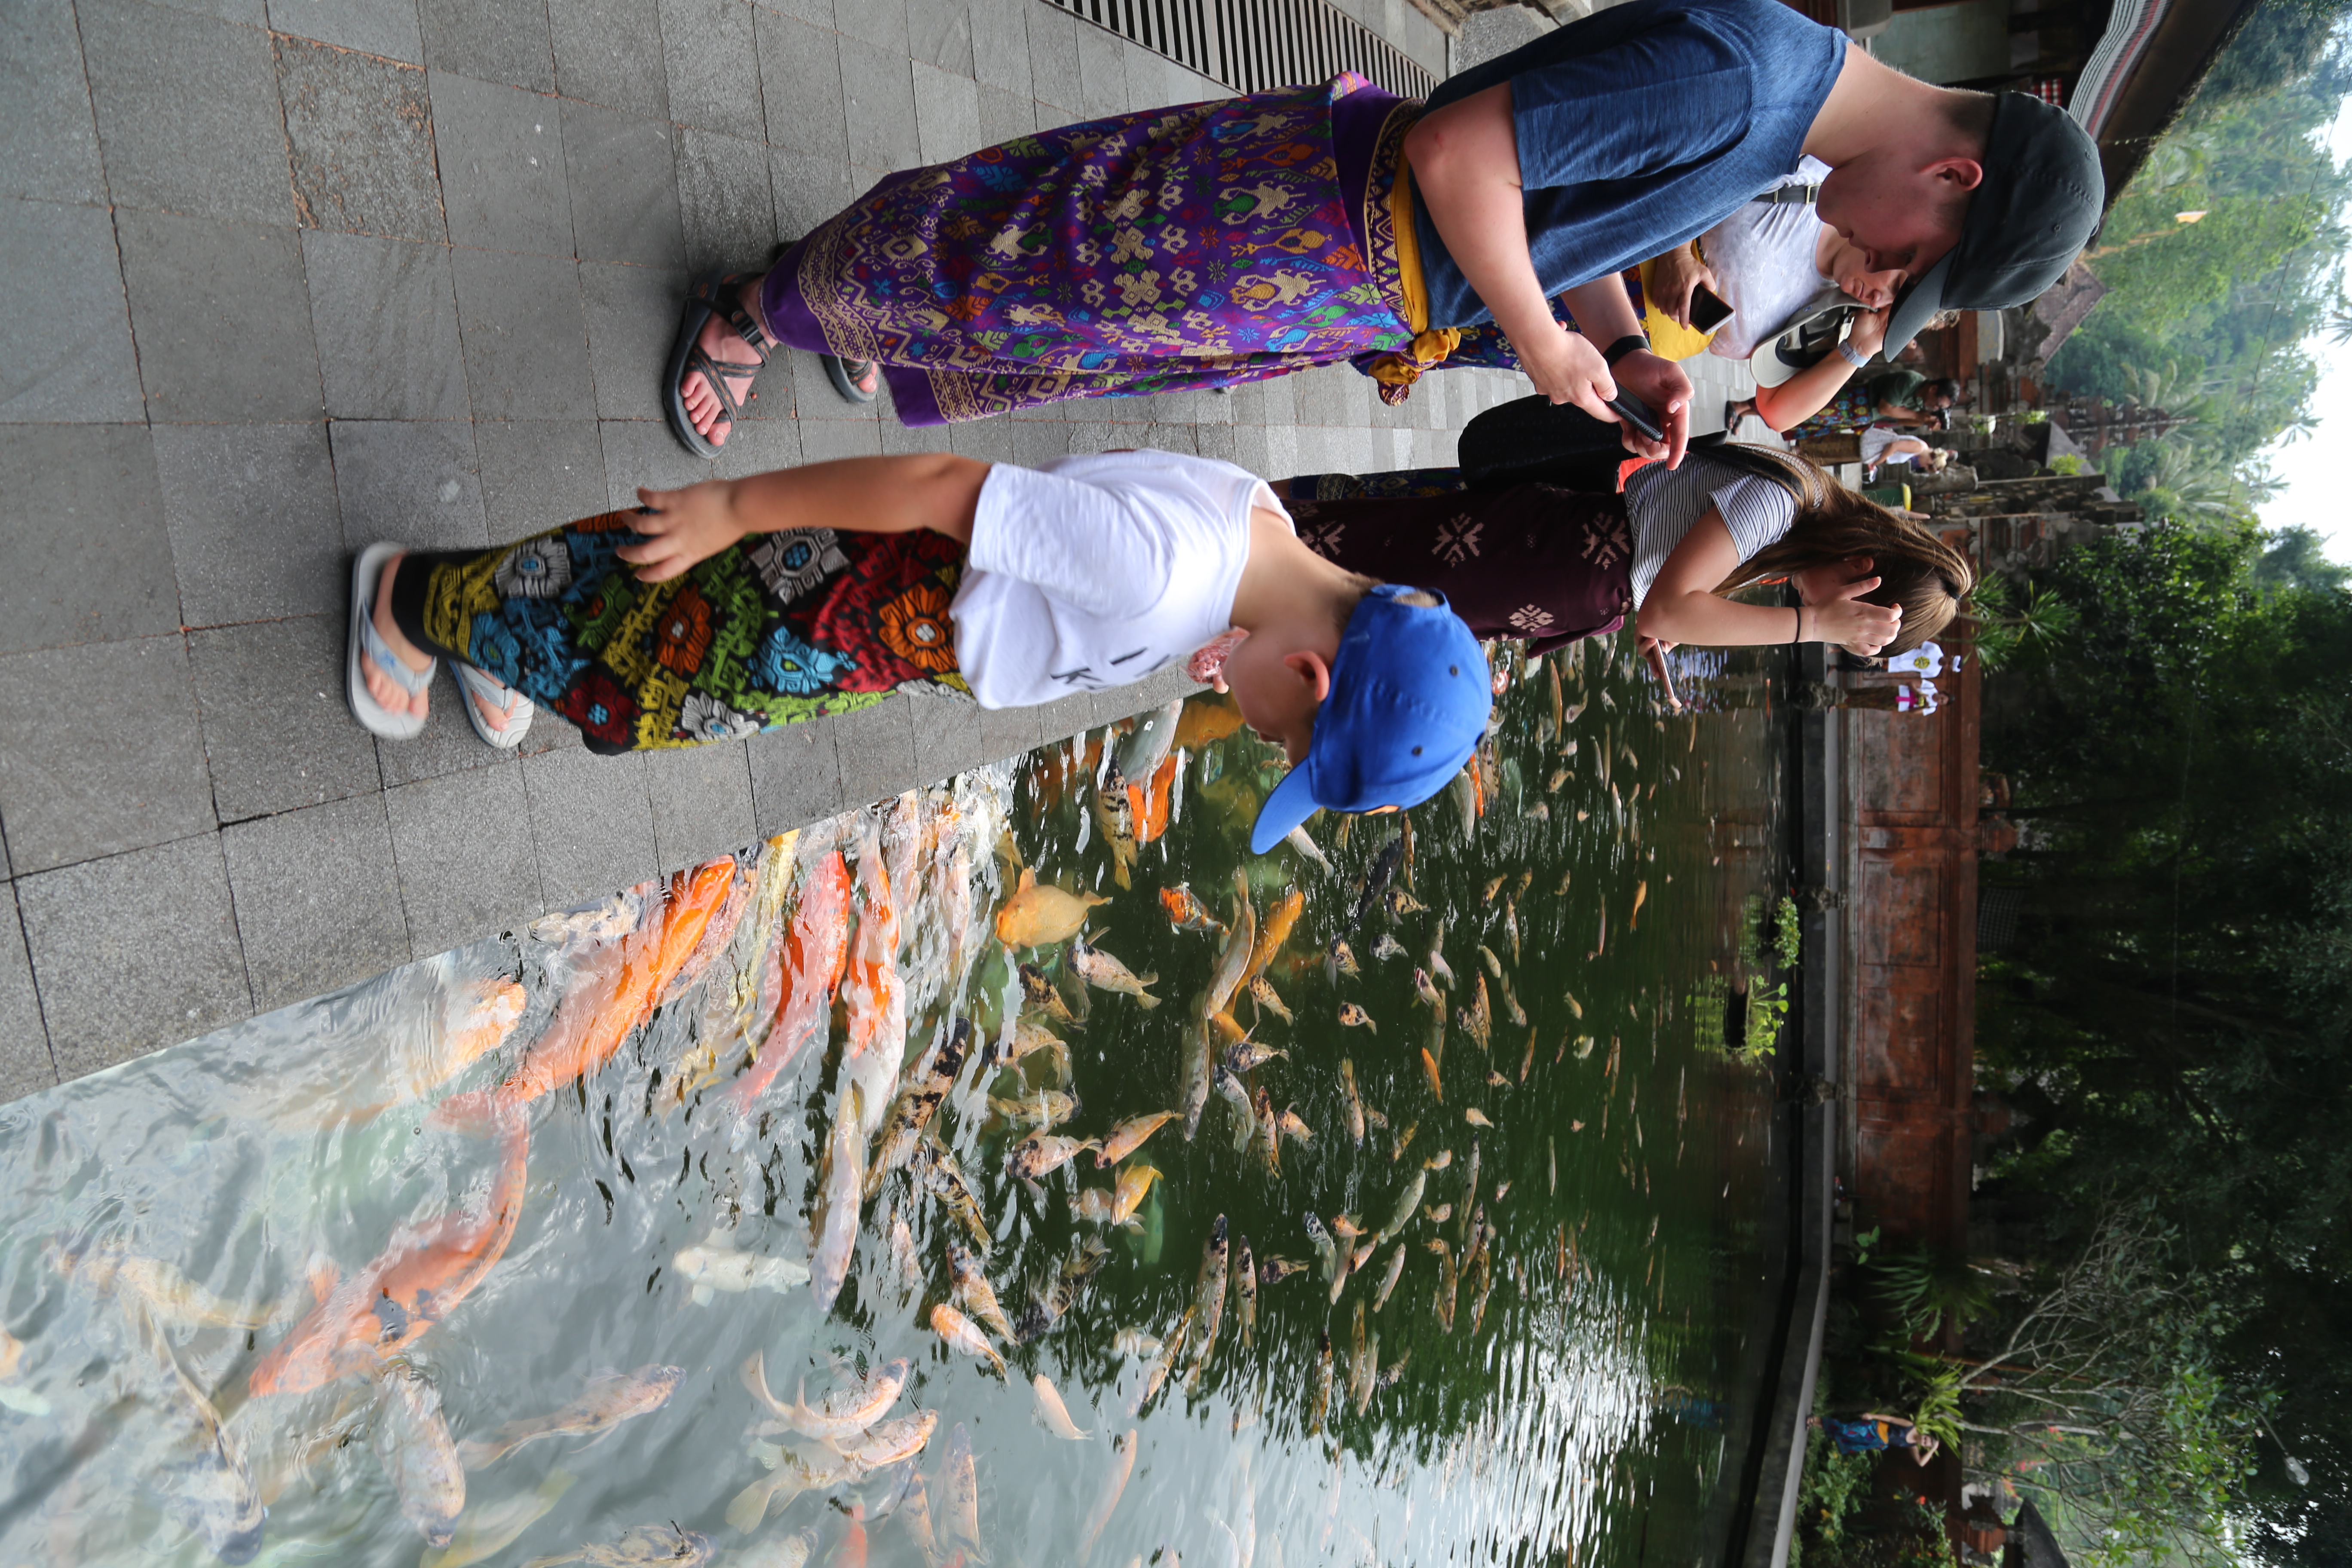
(1637, 414)
(1708, 309)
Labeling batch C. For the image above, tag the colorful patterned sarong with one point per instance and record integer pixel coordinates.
(1202, 246)
(784, 626)
(1850, 409)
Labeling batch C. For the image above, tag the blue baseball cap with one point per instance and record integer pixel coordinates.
(1408, 703)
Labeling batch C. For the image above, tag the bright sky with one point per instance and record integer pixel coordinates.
(2314, 467)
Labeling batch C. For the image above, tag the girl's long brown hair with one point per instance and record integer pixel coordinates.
(1917, 570)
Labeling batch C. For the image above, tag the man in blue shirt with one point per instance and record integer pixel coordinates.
(1619, 137)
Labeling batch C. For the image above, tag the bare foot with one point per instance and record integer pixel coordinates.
(725, 345)
(388, 692)
(499, 714)
(865, 374)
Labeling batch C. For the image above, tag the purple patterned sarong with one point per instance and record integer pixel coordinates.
(1200, 246)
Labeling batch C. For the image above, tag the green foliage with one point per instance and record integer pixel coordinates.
(1922, 1289)
(2297, 558)
(1938, 1412)
(1830, 1495)
(1864, 1242)
(1766, 1011)
(2209, 319)
(1787, 934)
(1924, 1545)
(2008, 624)
(2176, 1013)
(2068, 464)
(2096, 1390)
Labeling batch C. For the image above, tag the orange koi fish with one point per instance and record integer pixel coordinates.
(808, 970)
(1150, 803)
(482, 1014)
(1187, 912)
(718, 929)
(708, 896)
(1058, 767)
(370, 1318)
(591, 1023)
(1273, 931)
(1207, 720)
(876, 995)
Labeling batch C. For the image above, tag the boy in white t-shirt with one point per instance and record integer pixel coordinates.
(737, 604)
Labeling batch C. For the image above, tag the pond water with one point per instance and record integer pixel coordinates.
(506, 1257)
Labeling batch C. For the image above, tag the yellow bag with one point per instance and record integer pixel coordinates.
(1669, 338)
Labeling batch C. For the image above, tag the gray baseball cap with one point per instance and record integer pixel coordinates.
(2036, 208)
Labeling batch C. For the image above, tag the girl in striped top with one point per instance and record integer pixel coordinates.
(1553, 564)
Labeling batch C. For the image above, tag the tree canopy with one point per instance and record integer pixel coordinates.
(2174, 1014)
(2209, 317)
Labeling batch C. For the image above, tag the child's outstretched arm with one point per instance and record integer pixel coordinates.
(937, 490)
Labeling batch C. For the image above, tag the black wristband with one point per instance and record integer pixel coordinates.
(1630, 343)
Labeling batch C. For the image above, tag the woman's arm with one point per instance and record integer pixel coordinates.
(1682, 606)
(937, 490)
(1465, 170)
(1811, 390)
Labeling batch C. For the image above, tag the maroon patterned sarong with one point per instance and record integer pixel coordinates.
(1533, 560)
(1200, 246)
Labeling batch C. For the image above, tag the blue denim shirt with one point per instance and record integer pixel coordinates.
(1641, 126)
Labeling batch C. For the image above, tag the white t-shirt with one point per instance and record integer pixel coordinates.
(1662, 506)
(1877, 438)
(1763, 256)
(1927, 660)
(1093, 572)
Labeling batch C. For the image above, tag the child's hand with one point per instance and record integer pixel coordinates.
(683, 528)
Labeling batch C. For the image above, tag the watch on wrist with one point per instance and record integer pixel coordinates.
(1851, 358)
(1631, 342)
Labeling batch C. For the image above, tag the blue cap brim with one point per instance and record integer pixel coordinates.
(1288, 807)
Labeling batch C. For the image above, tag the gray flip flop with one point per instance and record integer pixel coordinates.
(374, 716)
(518, 708)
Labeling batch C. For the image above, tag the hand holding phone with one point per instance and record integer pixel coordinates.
(1708, 309)
(1637, 414)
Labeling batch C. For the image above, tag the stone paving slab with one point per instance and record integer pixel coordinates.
(280, 278)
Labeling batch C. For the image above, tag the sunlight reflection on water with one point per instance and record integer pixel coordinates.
(169, 1225)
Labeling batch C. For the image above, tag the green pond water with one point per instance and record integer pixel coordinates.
(1589, 1400)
